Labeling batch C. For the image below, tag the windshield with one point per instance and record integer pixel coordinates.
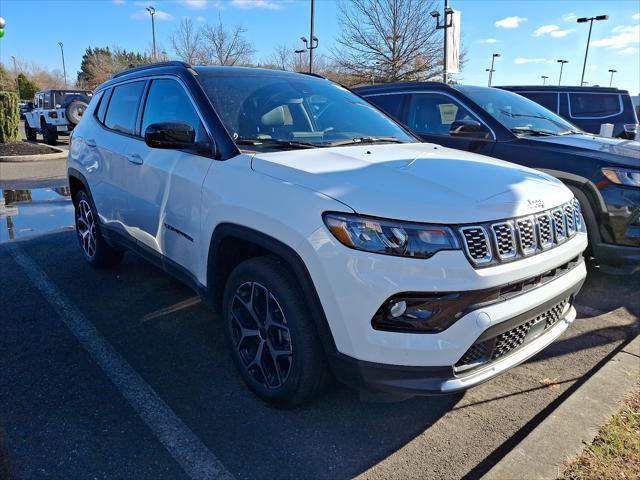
(275, 111)
(517, 113)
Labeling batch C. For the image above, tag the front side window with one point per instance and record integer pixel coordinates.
(433, 114)
(594, 105)
(548, 100)
(301, 109)
(122, 111)
(517, 113)
(168, 102)
(391, 104)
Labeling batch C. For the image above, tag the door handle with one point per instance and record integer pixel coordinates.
(135, 158)
(90, 143)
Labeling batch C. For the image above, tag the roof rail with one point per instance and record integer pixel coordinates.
(151, 65)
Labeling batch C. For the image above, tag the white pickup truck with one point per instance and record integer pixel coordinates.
(55, 112)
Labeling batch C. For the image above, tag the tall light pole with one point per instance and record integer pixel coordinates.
(491, 70)
(152, 12)
(311, 46)
(544, 79)
(448, 22)
(299, 52)
(561, 62)
(64, 67)
(611, 79)
(586, 52)
(15, 74)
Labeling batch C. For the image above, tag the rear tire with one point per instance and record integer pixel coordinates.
(271, 334)
(30, 133)
(49, 134)
(95, 250)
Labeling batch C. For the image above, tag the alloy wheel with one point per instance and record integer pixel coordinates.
(261, 335)
(86, 227)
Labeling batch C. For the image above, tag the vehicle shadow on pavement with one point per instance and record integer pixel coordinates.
(177, 346)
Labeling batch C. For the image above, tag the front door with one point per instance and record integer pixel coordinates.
(431, 114)
(166, 184)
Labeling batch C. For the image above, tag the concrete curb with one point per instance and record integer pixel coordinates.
(574, 423)
(59, 155)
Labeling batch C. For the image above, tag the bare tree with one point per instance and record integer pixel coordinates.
(282, 58)
(226, 47)
(388, 40)
(186, 41)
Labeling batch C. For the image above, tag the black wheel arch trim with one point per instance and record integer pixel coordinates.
(293, 261)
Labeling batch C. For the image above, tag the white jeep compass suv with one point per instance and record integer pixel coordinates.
(330, 239)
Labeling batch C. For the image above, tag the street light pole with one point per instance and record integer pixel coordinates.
(611, 79)
(586, 52)
(561, 62)
(15, 74)
(544, 79)
(64, 67)
(299, 52)
(491, 70)
(448, 22)
(152, 12)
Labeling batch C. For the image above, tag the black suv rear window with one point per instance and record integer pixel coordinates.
(594, 105)
(546, 99)
(123, 107)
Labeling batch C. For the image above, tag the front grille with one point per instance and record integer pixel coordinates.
(507, 240)
(490, 349)
(477, 244)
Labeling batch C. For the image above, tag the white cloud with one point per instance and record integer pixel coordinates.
(545, 29)
(553, 30)
(489, 41)
(159, 15)
(194, 4)
(569, 17)
(636, 16)
(628, 51)
(592, 67)
(626, 35)
(119, 2)
(201, 19)
(521, 61)
(249, 4)
(510, 22)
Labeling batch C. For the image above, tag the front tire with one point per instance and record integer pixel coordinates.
(271, 334)
(96, 251)
(30, 133)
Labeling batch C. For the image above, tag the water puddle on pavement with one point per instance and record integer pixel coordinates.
(28, 212)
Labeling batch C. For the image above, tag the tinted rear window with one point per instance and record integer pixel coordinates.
(594, 104)
(546, 99)
(123, 107)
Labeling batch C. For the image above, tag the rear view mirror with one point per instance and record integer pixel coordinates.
(172, 135)
(468, 128)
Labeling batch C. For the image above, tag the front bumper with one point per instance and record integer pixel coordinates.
(393, 379)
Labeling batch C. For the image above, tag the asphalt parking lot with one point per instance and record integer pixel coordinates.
(125, 374)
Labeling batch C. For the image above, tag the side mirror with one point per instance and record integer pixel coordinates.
(467, 128)
(173, 135)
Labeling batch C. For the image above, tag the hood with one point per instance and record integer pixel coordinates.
(613, 150)
(417, 182)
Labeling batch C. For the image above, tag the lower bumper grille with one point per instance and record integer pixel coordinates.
(490, 349)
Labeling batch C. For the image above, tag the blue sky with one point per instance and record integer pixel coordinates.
(529, 35)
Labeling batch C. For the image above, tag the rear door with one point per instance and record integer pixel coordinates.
(165, 184)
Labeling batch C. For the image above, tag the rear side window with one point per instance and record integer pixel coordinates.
(594, 105)
(123, 107)
(390, 104)
(548, 100)
(168, 102)
(102, 108)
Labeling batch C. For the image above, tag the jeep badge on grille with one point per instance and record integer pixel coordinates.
(535, 203)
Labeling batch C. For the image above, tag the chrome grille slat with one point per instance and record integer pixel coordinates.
(507, 240)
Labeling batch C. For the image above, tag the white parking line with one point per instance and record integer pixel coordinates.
(184, 446)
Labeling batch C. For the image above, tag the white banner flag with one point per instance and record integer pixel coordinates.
(453, 44)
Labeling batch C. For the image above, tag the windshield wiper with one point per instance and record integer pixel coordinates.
(274, 142)
(357, 140)
(533, 131)
(571, 132)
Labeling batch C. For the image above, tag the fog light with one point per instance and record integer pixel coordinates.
(398, 309)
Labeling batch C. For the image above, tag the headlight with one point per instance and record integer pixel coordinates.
(390, 237)
(622, 176)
